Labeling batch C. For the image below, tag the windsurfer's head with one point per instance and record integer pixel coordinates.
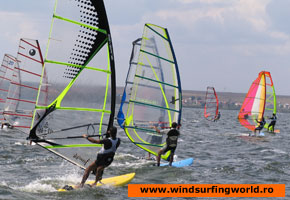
(113, 132)
(174, 125)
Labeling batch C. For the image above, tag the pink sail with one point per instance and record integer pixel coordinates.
(254, 104)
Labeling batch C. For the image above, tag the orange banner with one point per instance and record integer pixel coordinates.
(206, 190)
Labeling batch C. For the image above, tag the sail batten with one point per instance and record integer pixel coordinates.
(157, 81)
(78, 66)
(151, 54)
(152, 105)
(81, 24)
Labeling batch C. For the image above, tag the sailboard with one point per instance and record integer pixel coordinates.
(80, 86)
(181, 163)
(6, 72)
(24, 85)
(115, 181)
(152, 95)
(259, 101)
(211, 107)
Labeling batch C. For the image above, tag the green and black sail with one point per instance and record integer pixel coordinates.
(81, 86)
(152, 94)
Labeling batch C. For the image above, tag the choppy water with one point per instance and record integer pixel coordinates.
(30, 172)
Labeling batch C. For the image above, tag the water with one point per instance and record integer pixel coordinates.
(221, 157)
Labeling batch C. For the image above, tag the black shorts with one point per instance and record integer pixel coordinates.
(104, 159)
(168, 148)
(259, 128)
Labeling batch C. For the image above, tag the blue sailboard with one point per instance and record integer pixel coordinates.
(181, 163)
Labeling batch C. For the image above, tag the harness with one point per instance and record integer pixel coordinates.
(172, 138)
(112, 149)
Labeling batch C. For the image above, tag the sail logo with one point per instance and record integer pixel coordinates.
(32, 52)
(45, 129)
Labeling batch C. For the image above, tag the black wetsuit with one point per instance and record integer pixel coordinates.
(273, 122)
(106, 156)
(261, 125)
(171, 141)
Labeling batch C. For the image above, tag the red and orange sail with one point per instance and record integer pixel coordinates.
(211, 107)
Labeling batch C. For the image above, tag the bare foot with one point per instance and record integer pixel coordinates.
(79, 186)
(93, 184)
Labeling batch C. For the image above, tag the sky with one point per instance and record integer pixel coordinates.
(219, 43)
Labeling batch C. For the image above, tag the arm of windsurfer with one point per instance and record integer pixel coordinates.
(92, 140)
(164, 131)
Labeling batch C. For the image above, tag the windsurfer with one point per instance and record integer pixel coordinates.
(217, 117)
(156, 138)
(272, 123)
(105, 156)
(261, 125)
(171, 142)
(6, 124)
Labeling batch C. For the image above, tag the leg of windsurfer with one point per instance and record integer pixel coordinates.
(88, 170)
(163, 151)
(149, 156)
(272, 124)
(171, 157)
(105, 156)
(158, 157)
(99, 175)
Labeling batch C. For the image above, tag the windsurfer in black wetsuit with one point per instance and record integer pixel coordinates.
(217, 117)
(105, 156)
(171, 142)
(261, 125)
(272, 123)
(6, 124)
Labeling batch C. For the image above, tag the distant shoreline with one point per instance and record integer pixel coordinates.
(227, 100)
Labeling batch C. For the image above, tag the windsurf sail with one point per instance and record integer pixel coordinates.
(24, 85)
(152, 95)
(81, 87)
(211, 107)
(6, 72)
(260, 99)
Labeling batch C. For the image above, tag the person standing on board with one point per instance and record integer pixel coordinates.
(171, 142)
(105, 156)
(217, 117)
(261, 125)
(156, 138)
(6, 124)
(272, 123)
